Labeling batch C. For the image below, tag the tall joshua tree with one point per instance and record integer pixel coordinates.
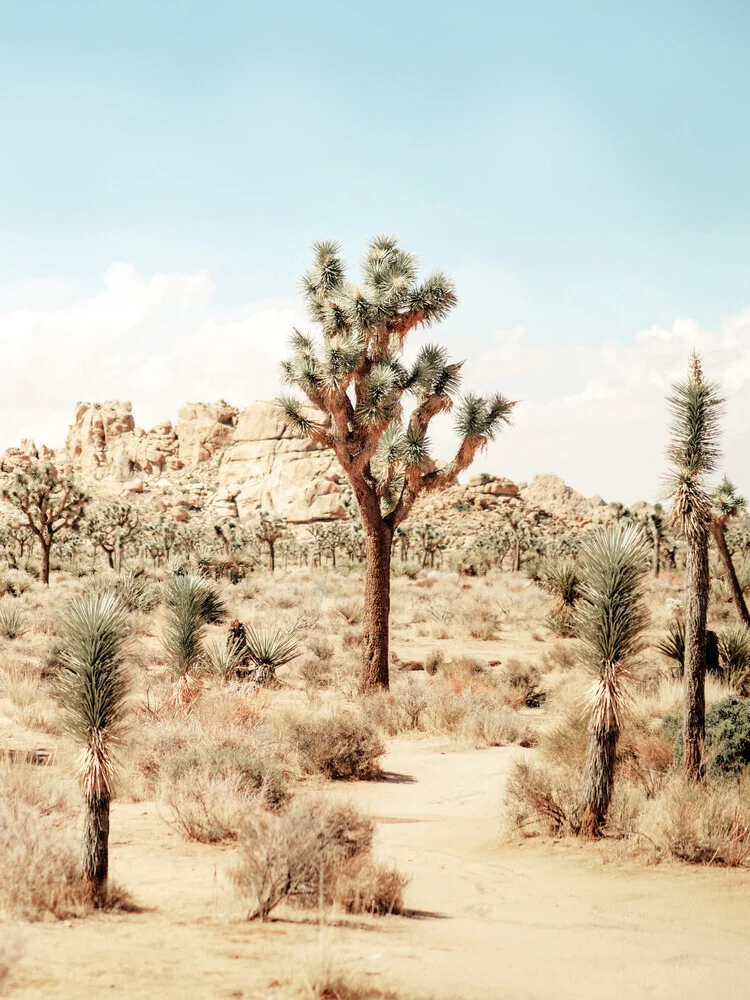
(693, 452)
(356, 379)
(93, 691)
(610, 621)
(49, 503)
(111, 526)
(727, 503)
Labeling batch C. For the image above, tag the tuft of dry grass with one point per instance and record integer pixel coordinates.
(323, 979)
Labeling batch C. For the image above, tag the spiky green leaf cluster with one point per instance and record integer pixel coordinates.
(92, 685)
(477, 417)
(611, 615)
(191, 603)
(693, 451)
(727, 502)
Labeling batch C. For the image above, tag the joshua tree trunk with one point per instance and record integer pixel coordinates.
(95, 846)
(46, 546)
(517, 556)
(110, 558)
(657, 556)
(598, 779)
(696, 609)
(272, 556)
(739, 598)
(378, 544)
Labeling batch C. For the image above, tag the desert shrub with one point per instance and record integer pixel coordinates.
(644, 754)
(212, 789)
(409, 569)
(562, 657)
(727, 736)
(40, 875)
(434, 661)
(15, 582)
(320, 647)
(350, 610)
(371, 887)
(299, 855)
(12, 621)
(703, 825)
(522, 683)
(542, 799)
(351, 638)
(412, 702)
(316, 673)
(338, 743)
(322, 980)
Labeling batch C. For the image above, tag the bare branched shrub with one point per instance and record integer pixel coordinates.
(522, 684)
(338, 743)
(541, 799)
(703, 825)
(368, 886)
(299, 855)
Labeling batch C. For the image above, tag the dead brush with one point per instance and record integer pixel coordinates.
(300, 855)
(542, 800)
(521, 683)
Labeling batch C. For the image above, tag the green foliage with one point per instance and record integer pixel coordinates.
(271, 647)
(693, 450)
(672, 645)
(12, 621)
(191, 603)
(727, 736)
(611, 616)
(734, 657)
(92, 684)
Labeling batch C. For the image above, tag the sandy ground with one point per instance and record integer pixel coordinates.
(490, 919)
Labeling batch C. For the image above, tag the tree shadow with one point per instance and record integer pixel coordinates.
(394, 778)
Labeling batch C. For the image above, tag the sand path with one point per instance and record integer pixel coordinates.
(493, 920)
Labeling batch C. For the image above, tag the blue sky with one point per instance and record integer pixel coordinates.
(580, 168)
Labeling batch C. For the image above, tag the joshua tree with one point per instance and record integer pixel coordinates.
(270, 530)
(609, 622)
(693, 453)
(49, 502)
(190, 603)
(110, 526)
(94, 631)
(357, 382)
(655, 529)
(727, 503)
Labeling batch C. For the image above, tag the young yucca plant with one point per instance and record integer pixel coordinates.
(93, 690)
(673, 645)
(224, 658)
(271, 647)
(191, 603)
(727, 504)
(734, 655)
(562, 579)
(693, 453)
(12, 621)
(610, 622)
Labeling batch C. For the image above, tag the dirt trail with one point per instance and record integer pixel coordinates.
(491, 920)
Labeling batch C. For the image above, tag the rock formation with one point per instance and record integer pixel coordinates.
(218, 462)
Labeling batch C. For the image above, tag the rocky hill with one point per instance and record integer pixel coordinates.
(220, 462)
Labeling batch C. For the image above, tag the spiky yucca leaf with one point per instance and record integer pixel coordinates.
(191, 603)
(272, 646)
(727, 502)
(92, 685)
(223, 658)
(673, 644)
(562, 579)
(734, 653)
(611, 616)
(477, 417)
(696, 408)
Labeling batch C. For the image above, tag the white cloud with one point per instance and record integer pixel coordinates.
(142, 339)
(595, 415)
